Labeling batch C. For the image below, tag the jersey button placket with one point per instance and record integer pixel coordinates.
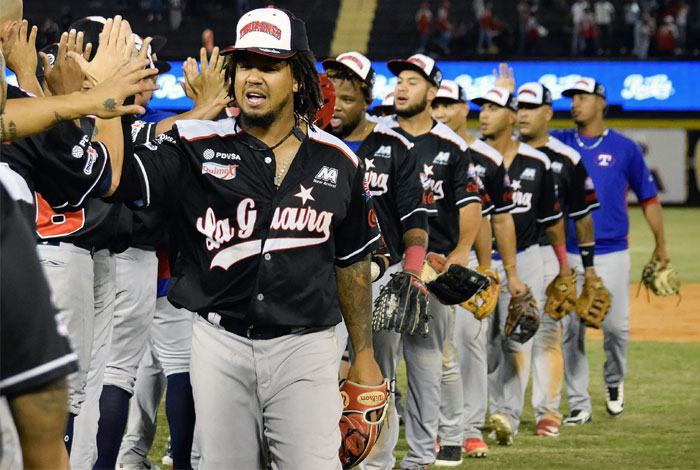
(267, 256)
(260, 297)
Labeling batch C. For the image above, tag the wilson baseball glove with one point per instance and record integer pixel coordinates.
(402, 305)
(561, 296)
(483, 303)
(661, 281)
(454, 286)
(594, 302)
(358, 430)
(523, 320)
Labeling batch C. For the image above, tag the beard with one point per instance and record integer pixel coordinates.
(346, 129)
(263, 120)
(413, 109)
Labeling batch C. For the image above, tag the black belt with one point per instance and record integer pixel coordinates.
(253, 331)
(90, 248)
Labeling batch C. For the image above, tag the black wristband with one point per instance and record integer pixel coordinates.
(587, 254)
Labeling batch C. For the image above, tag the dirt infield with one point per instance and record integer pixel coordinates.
(660, 320)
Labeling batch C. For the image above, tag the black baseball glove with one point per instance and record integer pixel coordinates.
(402, 305)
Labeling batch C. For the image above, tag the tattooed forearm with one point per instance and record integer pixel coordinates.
(8, 132)
(415, 237)
(110, 104)
(355, 297)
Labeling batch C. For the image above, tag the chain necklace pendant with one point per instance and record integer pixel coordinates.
(594, 144)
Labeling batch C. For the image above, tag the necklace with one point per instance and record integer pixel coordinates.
(594, 144)
(280, 174)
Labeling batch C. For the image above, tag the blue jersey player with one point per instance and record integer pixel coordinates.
(615, 164)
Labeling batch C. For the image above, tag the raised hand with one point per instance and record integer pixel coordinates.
(207, 85)
(106, 100)
(66, 76)
(504, 77)
(23, 60)
(115, 50)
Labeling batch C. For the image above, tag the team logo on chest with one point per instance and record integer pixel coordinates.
(522, 200)
(605, 160)
(528, 174)
(327, 176)
(383, 152)
(442, 158)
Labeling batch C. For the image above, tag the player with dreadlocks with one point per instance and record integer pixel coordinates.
(274, 229)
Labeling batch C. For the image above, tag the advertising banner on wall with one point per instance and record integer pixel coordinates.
(665, 154)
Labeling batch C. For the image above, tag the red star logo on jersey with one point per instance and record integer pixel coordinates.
(304, 194)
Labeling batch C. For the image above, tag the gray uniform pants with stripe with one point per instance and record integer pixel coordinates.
(508, 360)
(424, 372)
(614, 269)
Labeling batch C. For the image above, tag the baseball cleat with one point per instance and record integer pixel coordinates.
(578, 417)
(547, 427)
(168, 457)
(615, 400)
(475, 447)
(449, 456)
(503, 426)
(143, 465)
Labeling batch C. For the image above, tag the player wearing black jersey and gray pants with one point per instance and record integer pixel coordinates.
(469, 338)
(535, 205)
(451, 194)
(577, 198)
(274, 229)
(392, 177)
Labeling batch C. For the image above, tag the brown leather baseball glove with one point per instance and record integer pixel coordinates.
(483, 303)
(561, 296)
(594, 302)
(523, 320)
(358, 429)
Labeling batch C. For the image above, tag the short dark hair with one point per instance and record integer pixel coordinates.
(343, 73)
(309, 99)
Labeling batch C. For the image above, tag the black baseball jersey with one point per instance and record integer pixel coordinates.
(97, 224)
(575, 190)
(391, 172)
(487, 205)
(534, 194)
(61, 163)
(249, 250)
(449, 181)
(488, 164)
(34, 348)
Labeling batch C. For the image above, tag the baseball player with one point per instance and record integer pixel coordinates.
(451, 107)
(392, 175)
(35, 356)
(136, 276)
(274, 232)
(452, 196)
(614, 163)
(391, 170)
(535, 206)
(577, 198)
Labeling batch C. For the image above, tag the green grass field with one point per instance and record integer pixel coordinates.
(660, 427)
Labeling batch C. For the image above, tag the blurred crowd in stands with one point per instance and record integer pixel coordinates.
(466, 29)
(573, 28)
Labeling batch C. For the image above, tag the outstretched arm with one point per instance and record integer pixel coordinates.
(355, 297)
